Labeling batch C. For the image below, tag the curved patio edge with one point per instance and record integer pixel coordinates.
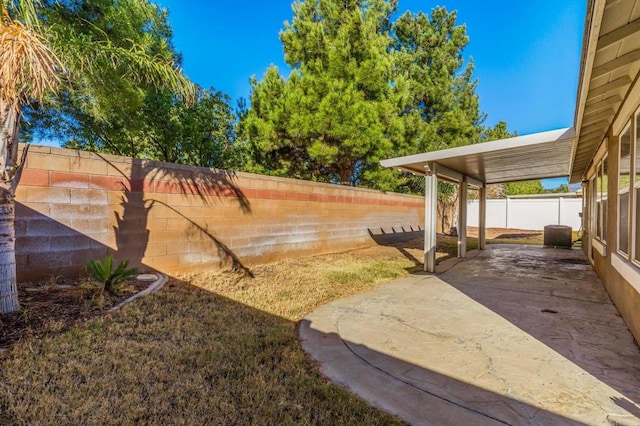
(319, 336)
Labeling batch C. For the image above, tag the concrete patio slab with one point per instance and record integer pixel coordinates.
(516, 335)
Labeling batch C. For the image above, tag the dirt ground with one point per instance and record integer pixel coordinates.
(504, 233)
(58, 303)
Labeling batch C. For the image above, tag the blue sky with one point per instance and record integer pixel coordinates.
(526, 53)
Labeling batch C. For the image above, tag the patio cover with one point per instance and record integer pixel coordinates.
(535, 156)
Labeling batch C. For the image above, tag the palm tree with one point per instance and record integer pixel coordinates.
(36, 59)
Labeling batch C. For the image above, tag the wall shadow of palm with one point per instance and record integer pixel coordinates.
(146, 180)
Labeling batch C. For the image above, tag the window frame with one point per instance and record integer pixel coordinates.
(593, 213)
(628, 189)
(634, 188)
(601, 199)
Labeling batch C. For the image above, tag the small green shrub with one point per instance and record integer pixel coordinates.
(111, 280)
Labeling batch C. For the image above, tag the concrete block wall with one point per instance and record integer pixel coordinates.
(73, 206)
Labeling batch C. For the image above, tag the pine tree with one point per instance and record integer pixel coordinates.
(333, 119)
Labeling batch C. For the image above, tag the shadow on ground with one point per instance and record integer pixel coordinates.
(555, 296)
(424, 396)
(182, 356)
(193, 356)
(517, 334)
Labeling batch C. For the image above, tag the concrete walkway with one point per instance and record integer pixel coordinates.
(515, 335)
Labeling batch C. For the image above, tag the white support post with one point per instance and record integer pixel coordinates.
(560, 210)
(430, 217)
(482, 226)
(462, 218)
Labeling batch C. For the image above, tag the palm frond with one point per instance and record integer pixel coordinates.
(20, 10)
(153, 70)
(84, 53)
(27, 66)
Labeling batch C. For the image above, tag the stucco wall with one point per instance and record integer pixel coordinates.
(623, 289)
(623, 293)
(73, 206)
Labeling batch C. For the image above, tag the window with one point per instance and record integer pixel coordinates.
(624, 183)
(601, 200)
(593, 215)
(636, 185)
(629, 191)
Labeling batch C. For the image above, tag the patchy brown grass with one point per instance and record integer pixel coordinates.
(292, 288)
(185, 356)
(216, 348)
(210, 349)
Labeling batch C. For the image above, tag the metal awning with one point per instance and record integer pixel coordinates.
(609, 76)
(535, 156)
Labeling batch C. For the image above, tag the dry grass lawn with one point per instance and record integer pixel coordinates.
(208, 349)
(211, 349)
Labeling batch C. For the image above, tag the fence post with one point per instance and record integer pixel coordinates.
(506, 213)
(560, 205)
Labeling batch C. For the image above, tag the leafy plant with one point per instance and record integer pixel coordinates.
(110, 279)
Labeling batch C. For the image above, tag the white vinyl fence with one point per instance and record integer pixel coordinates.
(531, 214)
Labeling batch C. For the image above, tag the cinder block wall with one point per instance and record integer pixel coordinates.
(73, 206)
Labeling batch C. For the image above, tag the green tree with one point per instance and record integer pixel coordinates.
(362, 88)
(201, 134)
(28, 45)
(163, 128)
(524, 188)
(441, 107)
(564, 188)
(107, 110)
(497, 132)
(334, 117)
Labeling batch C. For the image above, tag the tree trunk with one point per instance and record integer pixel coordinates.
(8, 285)
(10, 171)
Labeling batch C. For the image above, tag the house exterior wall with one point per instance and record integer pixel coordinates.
(620, 275)
(73, 206)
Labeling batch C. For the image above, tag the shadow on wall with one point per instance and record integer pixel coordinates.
(137, 202)
(225, 254)
(62, 246)
(46, 247)
(388, 236)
